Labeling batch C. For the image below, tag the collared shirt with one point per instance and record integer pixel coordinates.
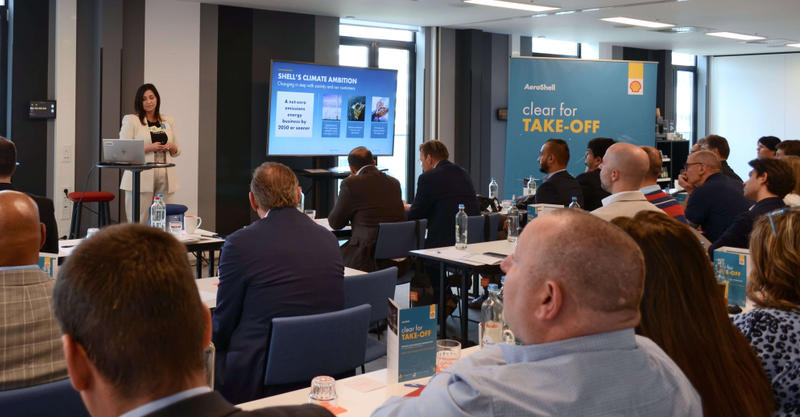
(624, 204)
(665, 202)
(156, 405)
(18, 268)
(612, 373)
(362, 168)
(547, 177)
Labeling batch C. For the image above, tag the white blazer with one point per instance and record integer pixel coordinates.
(132, 128)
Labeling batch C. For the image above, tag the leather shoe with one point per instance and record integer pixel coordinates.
(476, 303)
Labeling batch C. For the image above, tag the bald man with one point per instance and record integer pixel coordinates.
(621, 174)
(579, 354)
(30, 341)
(712, 200)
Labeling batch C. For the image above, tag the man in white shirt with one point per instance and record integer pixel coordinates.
(622, 172)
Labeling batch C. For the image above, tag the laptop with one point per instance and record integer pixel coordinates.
(123, 151)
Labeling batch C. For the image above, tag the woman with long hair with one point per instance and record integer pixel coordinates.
(683, 312)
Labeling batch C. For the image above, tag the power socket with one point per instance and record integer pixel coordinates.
(65, 208)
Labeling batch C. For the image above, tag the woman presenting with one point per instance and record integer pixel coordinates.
(160, 145)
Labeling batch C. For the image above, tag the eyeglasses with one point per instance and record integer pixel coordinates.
(776, 213)
(686, 165)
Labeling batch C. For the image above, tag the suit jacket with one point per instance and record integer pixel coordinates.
(30, 340)
(439, 192)
(559, 189)
(365, 200)
(212, 404)
(738, 235)
(132, 128)
(593, 192)
(728, 171)
(283, 265)
(47, 215)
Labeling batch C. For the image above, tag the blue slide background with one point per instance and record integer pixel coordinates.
(371, 83)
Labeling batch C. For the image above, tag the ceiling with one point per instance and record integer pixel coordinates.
(769, 18)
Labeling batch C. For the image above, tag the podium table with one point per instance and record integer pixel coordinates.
(136, 170)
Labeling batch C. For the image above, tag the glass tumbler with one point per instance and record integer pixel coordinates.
(448, 352)
(323, 392)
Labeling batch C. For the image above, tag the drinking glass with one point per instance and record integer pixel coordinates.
(175, 227)
(323, 392)
(447, 353)
(311, 213)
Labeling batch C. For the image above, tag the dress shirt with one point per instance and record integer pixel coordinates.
(547, 177)
(624, 204)
(665, 202)
(792, 200)
(613, 373)
(165, 402)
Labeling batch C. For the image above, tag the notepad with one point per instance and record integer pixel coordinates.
(363, 384)
(207, 296)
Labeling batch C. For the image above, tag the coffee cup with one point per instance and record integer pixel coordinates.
(191, 223)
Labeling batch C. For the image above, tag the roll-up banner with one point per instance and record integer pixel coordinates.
(574, 100)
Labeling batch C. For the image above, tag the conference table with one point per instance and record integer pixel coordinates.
(356, 403)
(468, 262)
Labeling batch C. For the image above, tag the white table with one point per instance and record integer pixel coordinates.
(356, 403)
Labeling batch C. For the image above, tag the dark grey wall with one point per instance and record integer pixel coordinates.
(207, 140)
(499, 100)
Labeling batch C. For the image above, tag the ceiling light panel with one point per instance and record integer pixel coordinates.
(513, 5)
(737, 36)
(638, 22)
(794, 45)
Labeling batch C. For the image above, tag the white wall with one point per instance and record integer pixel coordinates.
(753, 96)
(66, 57)
(172, 64)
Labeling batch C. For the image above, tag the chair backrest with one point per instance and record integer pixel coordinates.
(374, 289)
(475, 225)
(304, 347)
(51, 399)
(494, 224)
(396, 239)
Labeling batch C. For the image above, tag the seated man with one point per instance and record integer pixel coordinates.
(767, 146)
(30, 349)
(366, 198)
(719, 146)
(134, 329)
(698, 146)
(282, 265)
(574, 308)
(558, 186)
(770, 181)
(47, 211)
(787, 148)
(593, 192)
(712, 200)
(622, 172)
(652, 191)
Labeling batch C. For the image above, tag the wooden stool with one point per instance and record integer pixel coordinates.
(104, 213)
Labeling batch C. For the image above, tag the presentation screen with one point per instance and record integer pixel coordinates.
(318, 110)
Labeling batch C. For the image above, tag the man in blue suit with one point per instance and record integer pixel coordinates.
(282, 265)
(558, 186)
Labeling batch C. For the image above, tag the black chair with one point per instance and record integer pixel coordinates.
(51, 399)
(475, 229)
(494, 225)
(375, 289)
(395, 240)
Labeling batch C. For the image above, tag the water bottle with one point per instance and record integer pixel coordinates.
(158, 215)
(513, 222)
(492, 318)
(301, 204)
(461, 228)
(500, 294)
(532, 186)
(493, 187)
(574, 204)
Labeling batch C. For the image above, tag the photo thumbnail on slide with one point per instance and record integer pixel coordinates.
(331, 107)
(380, 109)
(355, 108)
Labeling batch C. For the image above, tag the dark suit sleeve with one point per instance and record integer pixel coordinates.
(47, 215)
(546, 194)
(422, 201)
(736, 236)
(230, 296)
(344, 209)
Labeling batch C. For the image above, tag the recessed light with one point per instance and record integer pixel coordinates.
(590, 10)
(794, 45)
(638, 22)
(567, 12)
(512, 5)
(737, 36)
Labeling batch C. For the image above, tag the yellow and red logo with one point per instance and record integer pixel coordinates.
(636, 78)
(636, 86)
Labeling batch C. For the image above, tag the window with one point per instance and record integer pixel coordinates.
(368, 32)
(686, 60)
(554, 47)
(684, 103)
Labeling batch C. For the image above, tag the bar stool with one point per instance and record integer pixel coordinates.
(104, 213)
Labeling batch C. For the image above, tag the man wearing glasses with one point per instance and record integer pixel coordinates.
(712, 200)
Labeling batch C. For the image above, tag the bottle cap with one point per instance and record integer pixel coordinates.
(503, 279)
(494, 287)
(461, 206)
(492, 178)
(574, 198)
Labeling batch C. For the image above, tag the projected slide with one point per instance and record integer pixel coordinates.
(328, 110)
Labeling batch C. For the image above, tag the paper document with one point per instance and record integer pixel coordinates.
(315, 170)
(363, 384)
(460, 255)
(207, 296)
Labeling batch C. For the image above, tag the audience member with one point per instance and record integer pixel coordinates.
(683, 313)
(593, 192)
(579, 353)
(282, 265)
(698, 146)
(770, 181)
(793, 199)
(787, 148)
(558, 186)
(30, 349)
(719, 146)
(713, 201)
(622, 173)
(47, 211)
(652, 191)
(774, 287)
(134, 329)
(367, 198)
(767, 146)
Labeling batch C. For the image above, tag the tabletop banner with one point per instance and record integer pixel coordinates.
(574, 100)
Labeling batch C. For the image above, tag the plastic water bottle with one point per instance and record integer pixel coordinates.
(461, 228)
(493, 187)
(532, 186)
(301, 203)
(492, 318)
(574, 204)
(158, 215)
(500, 293)
(513, 222)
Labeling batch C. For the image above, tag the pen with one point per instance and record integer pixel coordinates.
(415, 385)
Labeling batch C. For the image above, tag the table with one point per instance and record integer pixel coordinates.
(356, 403)
(341, 233)
(136, 170)
(208, 287)
(446, 259)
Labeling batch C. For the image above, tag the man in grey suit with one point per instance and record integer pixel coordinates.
(30, 343)
(366, 198)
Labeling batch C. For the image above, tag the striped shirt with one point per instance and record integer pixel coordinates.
(663, 201)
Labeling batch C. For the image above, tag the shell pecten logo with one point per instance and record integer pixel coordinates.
(636, 86)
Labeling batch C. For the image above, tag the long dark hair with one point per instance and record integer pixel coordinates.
(137, 102)
(684, 313)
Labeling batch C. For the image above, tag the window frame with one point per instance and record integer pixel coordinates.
(693, 70)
